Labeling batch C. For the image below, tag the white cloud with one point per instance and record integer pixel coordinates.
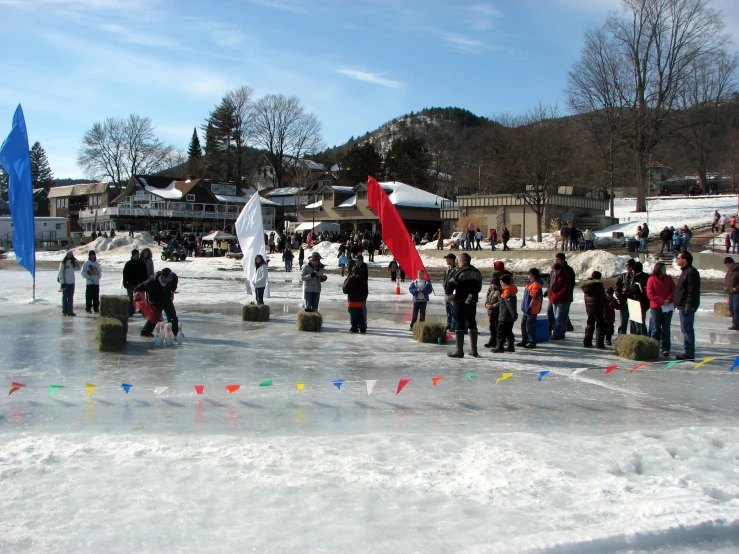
(368, 77)
(293, 6)
(137, 36)
(464, 44)
(483, 16)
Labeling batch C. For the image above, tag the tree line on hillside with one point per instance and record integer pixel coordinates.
(41, 174)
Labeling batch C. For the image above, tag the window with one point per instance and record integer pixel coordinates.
(59, 226)
(35, 206)
(190, 198)
(328, 196)
(46, 224)
(362, 195)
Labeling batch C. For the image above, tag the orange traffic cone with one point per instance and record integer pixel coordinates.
(397, 287)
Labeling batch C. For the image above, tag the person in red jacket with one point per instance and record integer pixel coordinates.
(559, 297)
(661, 294)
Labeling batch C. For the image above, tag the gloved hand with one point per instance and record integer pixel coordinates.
(313, 274)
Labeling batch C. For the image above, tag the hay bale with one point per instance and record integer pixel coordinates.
(426, 331)
(637, 347)
(255, 312)
(721, 309)
(115, 307)
(310, 322)
(111, 334)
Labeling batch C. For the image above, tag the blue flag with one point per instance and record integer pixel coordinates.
(16, 159)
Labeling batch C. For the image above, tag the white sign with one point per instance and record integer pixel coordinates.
(634, 310)
(225, 190)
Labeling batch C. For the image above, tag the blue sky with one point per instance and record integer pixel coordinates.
(355, 64)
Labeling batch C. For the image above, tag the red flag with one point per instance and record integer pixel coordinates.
(435, 380)
(14, 387)
(199, 389)
(610, 369)
(638, 367)
(232, 388)
(394, 232)
(402, 383)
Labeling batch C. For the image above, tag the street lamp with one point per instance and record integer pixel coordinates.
(523, 228)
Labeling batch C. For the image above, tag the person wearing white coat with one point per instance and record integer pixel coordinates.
(91, 271)
(65, 278)
(260, 280)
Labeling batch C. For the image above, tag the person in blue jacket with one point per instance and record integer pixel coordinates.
(420, 289)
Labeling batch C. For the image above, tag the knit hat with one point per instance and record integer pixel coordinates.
(596, 275)
(498, 266)
(610, 290)
(495, 281)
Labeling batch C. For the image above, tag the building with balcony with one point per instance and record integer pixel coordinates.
(158, 204)
(72, 200)
(348, 207)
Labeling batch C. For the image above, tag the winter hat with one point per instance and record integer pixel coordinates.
(610, 290)
(596, 275)
(316, 255)
(498, 266)
(495, 281)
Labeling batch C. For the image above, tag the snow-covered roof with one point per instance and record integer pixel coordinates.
(334, 168)
(315, 205)
(284, 191)
(350, 203)
(77, 190)
(231, 199)
(401, 194)
(267, 202)
(339, 188)
(170, 192)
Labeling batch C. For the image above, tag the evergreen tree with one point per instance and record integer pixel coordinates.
(409, 162)
(359, 162)
(3, 183)
(40, 169)
(212, 153)
(194, 152)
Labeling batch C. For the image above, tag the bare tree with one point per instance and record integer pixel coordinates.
(282, 128)
(537, 159)
(116, 149)
(653, 44)
(242, 102)
(701, 119)
(591, 95)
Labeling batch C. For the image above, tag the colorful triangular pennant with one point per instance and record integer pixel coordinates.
(300, 386)
(435, 380)
(469, 375)
(126, 387)
(639, 366)
(672, 363)
(735, 364)
(503, 377)
(199, 389)
(90, 389)
(705, 361)
(16, 386)
(401, 385)
(610, 369)
(53, 388)
(338, 383)
(232, 388)
(267, 383)
(370, 385)
(542, 374)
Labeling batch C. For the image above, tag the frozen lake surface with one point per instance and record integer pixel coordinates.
(643, 461)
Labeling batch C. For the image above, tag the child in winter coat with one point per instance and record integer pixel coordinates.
(507, 315)
(609, 319)
(91, 272)
(301, 256)
(492, 302)
(260, 279)
(343, 259)
(595, 306)
(420, 289)
(355, 287)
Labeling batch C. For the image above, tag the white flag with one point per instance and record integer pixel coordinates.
(370, 386)
(250, 232)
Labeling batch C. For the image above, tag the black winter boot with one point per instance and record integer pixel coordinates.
(509, 347)
(459, 352)
(499, 346)
(473, 343)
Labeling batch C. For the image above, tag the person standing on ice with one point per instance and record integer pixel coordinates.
(533, 297)
(148, 260)
(595, 306)
(313, 277)
(661, 294)
(638, 292)
(260, 278)
(160, 291)
(420, 290)
(507, 315)
(65, 278)
(623, 285)
(687, 300)
(451, 262)
(134, 272)
(731, 287)
(492, 301)
(287, 257)
(355, 288)
(465, 285)
(91, 272)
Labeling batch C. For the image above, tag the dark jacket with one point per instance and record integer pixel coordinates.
(465, 283)
(507, 306)
(732, 280)
(356, 290)
(595, 298)
(134, 272)
(638, 290)
(610, 312)
(623, 284)
(572, 278)
(688, 291)
(363, 271)
(493, 299)
(156, 291)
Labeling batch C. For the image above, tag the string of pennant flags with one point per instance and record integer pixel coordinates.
(370, 383)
